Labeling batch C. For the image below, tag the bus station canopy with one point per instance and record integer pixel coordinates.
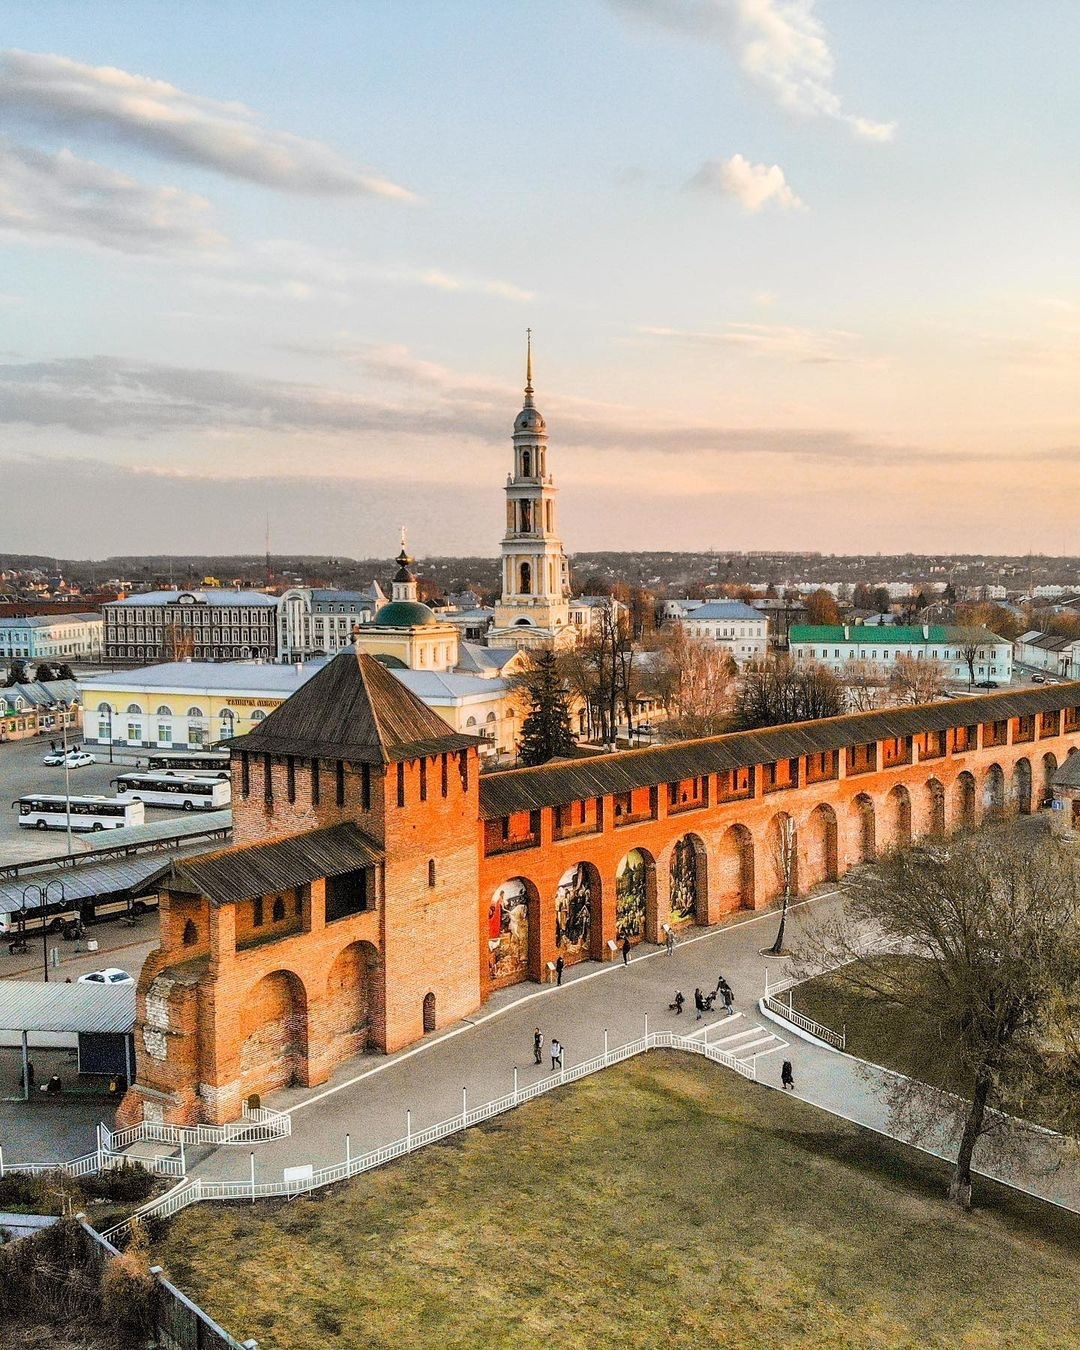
(85, 1008)
(134, 876)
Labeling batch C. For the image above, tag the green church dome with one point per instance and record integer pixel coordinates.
(404, 614)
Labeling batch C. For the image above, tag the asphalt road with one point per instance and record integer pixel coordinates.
(21, 772)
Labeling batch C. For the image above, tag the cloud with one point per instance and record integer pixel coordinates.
(287, 269)
(157, 117)
(808, 346)
(779, 44)
(752, 185)
(111, 397)
(52, 196)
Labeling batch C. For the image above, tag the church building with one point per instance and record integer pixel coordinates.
(534, 608)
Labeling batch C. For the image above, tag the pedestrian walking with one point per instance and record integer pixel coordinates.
(787, 1075)
(538, 1046)
(676, 1006)
(699, 1003)
(728, 995)
(560, 966)
(626, 951)
(556, 1055)
(669, 940)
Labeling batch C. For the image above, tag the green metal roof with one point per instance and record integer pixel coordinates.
(404, 614)
(888, 635)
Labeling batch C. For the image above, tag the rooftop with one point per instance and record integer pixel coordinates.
(725, 609)
(232, 874)
(28, 1006)
(211, 597)
(354, 709)
(575, 780)
(894, 636)
(49, 620)
(205, 676)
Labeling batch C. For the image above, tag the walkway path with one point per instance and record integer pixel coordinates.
(367, 1099)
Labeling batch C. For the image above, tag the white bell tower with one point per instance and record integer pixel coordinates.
(534, 607)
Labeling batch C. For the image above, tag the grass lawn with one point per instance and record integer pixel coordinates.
(880, 1032)
(662, 1202)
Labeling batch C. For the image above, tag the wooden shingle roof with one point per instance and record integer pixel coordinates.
(354, 709)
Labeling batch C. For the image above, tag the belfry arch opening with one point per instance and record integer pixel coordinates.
(525, 573)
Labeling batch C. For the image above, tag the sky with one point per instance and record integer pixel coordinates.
(800, 273)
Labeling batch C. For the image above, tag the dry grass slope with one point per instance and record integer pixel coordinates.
(664, 1202)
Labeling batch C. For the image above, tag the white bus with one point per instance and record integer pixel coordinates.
(185, 792)
(50, 812)
(211, 761)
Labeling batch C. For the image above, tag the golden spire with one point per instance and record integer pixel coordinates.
(528, 361)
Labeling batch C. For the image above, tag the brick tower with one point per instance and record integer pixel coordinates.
(342, 919)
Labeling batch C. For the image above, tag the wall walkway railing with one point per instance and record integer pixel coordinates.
(303, 1179)
(797, 1019)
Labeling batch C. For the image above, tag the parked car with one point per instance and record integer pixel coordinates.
(1038, 679)
(74, 759)
(987, 684)
(110, 976)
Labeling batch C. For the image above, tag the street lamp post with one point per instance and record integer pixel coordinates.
(67, 774)
(43, 897)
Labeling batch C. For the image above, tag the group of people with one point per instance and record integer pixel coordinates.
(556, 1050)
(706, 1002)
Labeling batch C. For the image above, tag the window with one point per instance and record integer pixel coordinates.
(245, 775)
(257, 912)
(134, 731)
(277, 913)
(164, 732)
(445, 775)
(163, 711)
(339, 784)
(134, 708)
(431, 872)
(423, 780)
(191, 712)
(191, 934)
(401, 784)
(268, 778)
(365, 787)
(315, 782)
(349, 893)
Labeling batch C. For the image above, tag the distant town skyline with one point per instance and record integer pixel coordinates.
(800, 276)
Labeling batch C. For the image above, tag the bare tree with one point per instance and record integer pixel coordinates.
(862, 685)
(915, 681)
(784, 851)
(776, 691)
(995, 921)
(695, 683)
(971, 641)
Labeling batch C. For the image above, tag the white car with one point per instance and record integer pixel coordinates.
(110, 976)
(74, 759)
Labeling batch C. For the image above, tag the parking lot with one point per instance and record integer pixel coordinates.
(22, 772)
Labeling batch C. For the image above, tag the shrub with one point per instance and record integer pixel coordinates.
(128, 1291)
(127, 1183)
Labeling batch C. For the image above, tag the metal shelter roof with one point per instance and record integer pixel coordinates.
(28, 1006)
(137, 875)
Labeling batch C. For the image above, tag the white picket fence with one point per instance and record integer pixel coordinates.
(256, 1126)
(797, 1019)
(197, 1189)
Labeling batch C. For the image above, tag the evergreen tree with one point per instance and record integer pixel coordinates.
(44, 671)
(545, 732)
(64, 672)
(16, 673)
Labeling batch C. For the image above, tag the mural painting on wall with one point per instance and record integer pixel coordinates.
(508, 932)
(683, 881)
(630, 881)
(573, 911)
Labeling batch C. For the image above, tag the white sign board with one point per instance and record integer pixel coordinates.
(304, 1173)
